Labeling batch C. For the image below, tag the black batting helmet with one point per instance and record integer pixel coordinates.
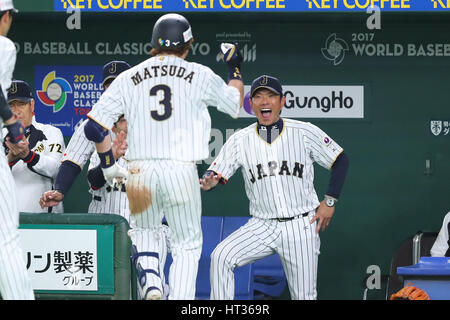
(171, 31)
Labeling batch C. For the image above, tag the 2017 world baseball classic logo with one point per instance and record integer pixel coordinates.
(54, 91)
(65, 94)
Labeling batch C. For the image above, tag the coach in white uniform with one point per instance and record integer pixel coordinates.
(165, 101)
(35, 161)
(276, 156)
(15, 282)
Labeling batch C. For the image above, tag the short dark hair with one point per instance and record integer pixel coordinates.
(4, 12)
(108, 82)
(177, 51)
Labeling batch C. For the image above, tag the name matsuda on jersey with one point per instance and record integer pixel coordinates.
(162, 71)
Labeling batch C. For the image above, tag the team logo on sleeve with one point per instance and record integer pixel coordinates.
(54, 91)
(327, 141)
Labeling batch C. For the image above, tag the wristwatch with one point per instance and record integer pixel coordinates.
(330, 201)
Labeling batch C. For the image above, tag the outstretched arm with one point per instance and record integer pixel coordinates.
(324, 213)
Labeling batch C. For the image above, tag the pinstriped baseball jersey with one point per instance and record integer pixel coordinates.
(166, 100)
(109, 199)
(15, 282)
(279, 176)
(7, 63)
(79, 149)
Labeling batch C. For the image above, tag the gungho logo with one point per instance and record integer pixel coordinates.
(335, 49)
(54, 91)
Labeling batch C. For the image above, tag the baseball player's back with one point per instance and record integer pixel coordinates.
(166, 100)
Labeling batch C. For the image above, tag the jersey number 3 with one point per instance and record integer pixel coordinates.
(166, 102)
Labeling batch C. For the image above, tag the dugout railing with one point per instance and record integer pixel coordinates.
(77, 256)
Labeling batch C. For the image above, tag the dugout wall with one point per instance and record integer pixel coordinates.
(77, 256)
(389, 89)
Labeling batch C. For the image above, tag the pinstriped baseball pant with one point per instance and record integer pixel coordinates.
(175, 195)
(295, 241)
(15, 283)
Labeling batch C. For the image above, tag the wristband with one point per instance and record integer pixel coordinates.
(106, 159)
(234, 73)
(12, 163)
(29, 157)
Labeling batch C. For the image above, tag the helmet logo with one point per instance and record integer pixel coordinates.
(161, 42)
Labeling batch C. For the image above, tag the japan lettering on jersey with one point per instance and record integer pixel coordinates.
(279, 177)
(166, 99)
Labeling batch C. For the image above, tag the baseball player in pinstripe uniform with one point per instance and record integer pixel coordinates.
(15, 282)
(80, 150)
(105, 198)
(165, 100)
(35, 161)
(276, 156)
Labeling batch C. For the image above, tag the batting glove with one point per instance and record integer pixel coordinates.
(115, 174)
(16, 132)
(232, 56)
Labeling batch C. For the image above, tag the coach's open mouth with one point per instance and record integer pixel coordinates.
(266, 113)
